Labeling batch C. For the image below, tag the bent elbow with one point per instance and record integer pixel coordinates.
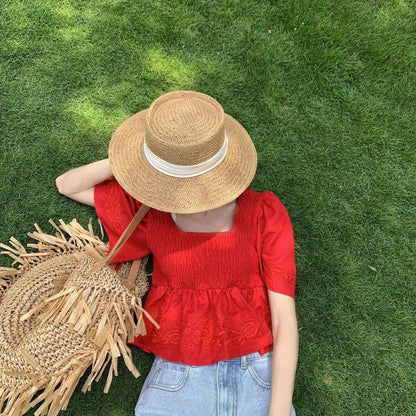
(59, 184)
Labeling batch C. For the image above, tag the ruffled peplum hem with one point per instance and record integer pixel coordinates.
(201, 327)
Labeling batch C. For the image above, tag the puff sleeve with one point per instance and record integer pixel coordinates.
(116, 208)
(278, 246)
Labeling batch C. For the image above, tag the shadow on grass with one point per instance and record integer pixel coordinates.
(331, 120)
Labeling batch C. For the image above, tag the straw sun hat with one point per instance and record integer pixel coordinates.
(183, 154)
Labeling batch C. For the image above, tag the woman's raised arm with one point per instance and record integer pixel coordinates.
(78, 183)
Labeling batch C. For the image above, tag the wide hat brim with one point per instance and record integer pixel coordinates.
(212, 189)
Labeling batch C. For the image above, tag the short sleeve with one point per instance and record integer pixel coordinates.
(278, 246)
(116, 208)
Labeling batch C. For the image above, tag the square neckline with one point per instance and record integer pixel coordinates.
(232, 231)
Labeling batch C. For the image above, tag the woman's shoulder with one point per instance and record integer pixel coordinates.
(266, 196)
(111, 192)
(265, 203)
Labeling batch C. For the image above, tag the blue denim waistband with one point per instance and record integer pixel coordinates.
(249, 357)
(243, 359)
(254, 354)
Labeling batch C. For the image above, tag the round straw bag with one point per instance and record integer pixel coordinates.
(65, 310)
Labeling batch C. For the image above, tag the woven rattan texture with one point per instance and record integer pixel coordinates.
(26, 292)
(56, 322)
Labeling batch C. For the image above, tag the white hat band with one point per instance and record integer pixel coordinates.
(185, 171)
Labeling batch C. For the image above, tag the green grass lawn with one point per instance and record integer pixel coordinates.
(327, 92)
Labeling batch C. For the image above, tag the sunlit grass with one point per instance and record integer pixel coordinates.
(325, 89)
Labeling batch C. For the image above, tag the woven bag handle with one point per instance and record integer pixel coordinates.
(131, 278)
(143, 210)
(126, 233)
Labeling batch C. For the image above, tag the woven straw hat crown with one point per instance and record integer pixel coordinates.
(183, 154)
(185, 129)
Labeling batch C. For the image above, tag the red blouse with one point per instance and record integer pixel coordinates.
(209, 289)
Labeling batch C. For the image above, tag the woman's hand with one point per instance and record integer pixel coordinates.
(78, 183)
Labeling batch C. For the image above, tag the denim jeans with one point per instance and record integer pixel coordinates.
(236, 387)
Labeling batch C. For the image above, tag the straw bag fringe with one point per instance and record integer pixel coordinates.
(57, 320)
